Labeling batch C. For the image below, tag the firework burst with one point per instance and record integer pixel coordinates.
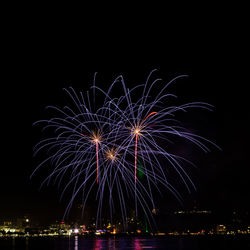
(109, 142)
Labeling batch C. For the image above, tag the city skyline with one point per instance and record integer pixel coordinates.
(177, 223)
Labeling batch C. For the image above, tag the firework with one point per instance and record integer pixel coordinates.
(110, 140)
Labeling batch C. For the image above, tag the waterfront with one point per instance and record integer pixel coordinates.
(170, 243)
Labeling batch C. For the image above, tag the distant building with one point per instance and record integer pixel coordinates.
(7, 223)
(221, 229)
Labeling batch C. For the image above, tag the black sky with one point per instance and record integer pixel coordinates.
(209, 47)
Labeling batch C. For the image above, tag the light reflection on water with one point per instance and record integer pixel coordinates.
(138, 243)
(113, 243)
(125, 243)
(76, 243)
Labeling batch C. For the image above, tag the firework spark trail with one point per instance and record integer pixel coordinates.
(108, 141)
(96, 139)
(137, 133)
(136, 144)
(97, 161)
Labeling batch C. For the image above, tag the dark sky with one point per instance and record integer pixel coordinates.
(212, 52)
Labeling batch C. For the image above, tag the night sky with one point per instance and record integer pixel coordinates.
(212, 54)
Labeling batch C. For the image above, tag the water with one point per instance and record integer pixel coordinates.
(112, 243)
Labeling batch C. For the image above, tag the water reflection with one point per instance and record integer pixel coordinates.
(137, 244)
(76, 243)
(27, 243)
(13, 243)
(109, 243)
(140, 243)
(123, 243)
(98, 244)
(113, 243)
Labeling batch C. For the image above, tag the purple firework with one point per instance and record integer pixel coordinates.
(100, 149)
